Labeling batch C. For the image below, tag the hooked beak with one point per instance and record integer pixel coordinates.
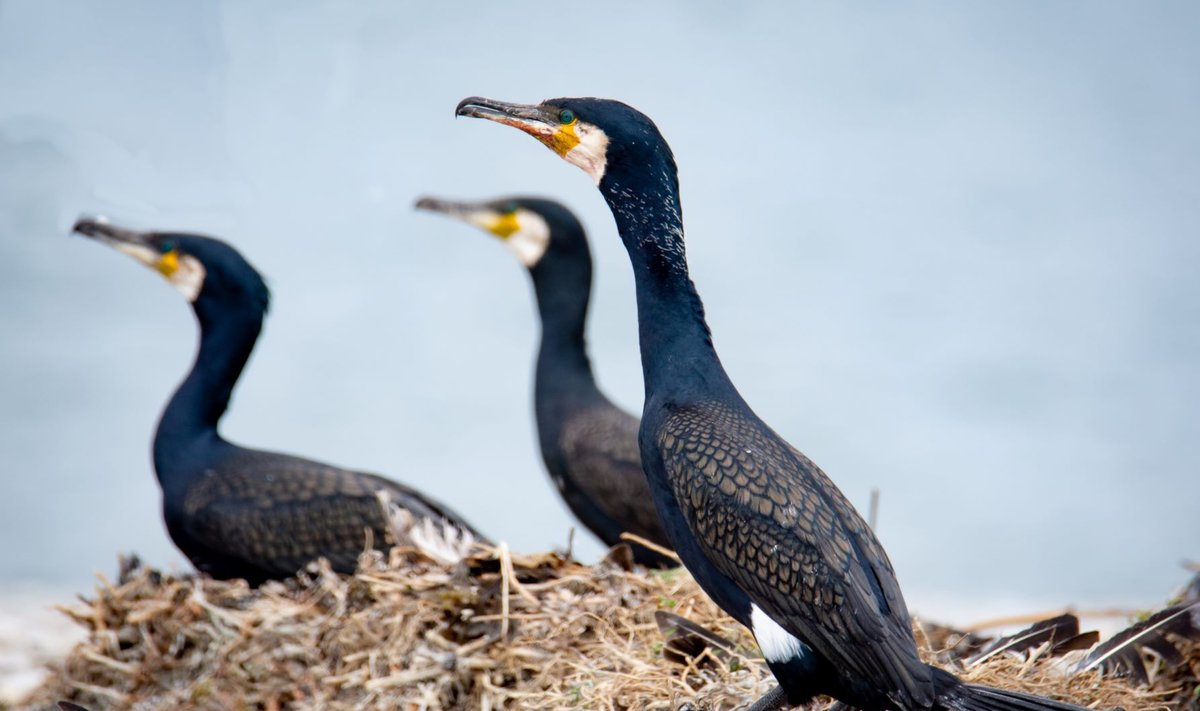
(136, 244)
(451, 208)
(536, 120)
(100, 229)
(579, 143)
(183, 271)
(482, 215)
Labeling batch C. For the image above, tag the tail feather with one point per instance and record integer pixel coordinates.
(969, 697)
(954, 695)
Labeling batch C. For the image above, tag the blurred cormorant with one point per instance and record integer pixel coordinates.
(245, 513)
(589, 445)
(761, 527)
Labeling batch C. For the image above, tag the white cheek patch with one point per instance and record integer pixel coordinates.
(529, 243)
(530, 238)
(591, 153)
(776, 643)
(189, 277)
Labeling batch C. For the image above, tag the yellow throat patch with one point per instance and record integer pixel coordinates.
(168, 264)
(564, 139)
(506, 226)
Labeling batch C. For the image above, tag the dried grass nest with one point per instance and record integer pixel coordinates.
(493, 631)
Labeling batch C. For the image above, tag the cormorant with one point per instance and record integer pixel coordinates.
(244, 513)
(589, 445)
(764, 531)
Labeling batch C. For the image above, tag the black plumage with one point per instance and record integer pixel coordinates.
(588, 444)
(763, 529)
(238, 512)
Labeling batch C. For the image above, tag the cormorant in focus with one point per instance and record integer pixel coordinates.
(589, 445)
(244, 513)
(763, 530)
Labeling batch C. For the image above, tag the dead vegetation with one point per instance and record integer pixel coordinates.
(495, 631)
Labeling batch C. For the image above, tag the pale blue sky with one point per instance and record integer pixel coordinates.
(948, 250)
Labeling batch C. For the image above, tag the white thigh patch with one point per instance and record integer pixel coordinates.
(776, 643)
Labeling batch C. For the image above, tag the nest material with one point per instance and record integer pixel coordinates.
(494, 631)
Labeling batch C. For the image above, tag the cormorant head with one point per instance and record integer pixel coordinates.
(201, 268)
(600, 136)
(531, 227)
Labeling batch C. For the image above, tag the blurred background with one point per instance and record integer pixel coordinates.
(947, 250)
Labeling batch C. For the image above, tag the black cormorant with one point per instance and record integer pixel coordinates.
(244, 513)
(589, 445)
(762, 529)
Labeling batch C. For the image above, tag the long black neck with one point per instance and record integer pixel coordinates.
(678, 360)
(562, 283)
(227, 336)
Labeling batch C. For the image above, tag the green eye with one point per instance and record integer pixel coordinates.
(566, 116)
(510, 208)
(166, 246)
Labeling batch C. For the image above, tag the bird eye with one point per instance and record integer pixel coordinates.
(510, 208)
(166, 246)
(566, 116)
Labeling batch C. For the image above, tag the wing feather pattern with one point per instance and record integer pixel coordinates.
(772, 521)
(276, 513)
(600, 447)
